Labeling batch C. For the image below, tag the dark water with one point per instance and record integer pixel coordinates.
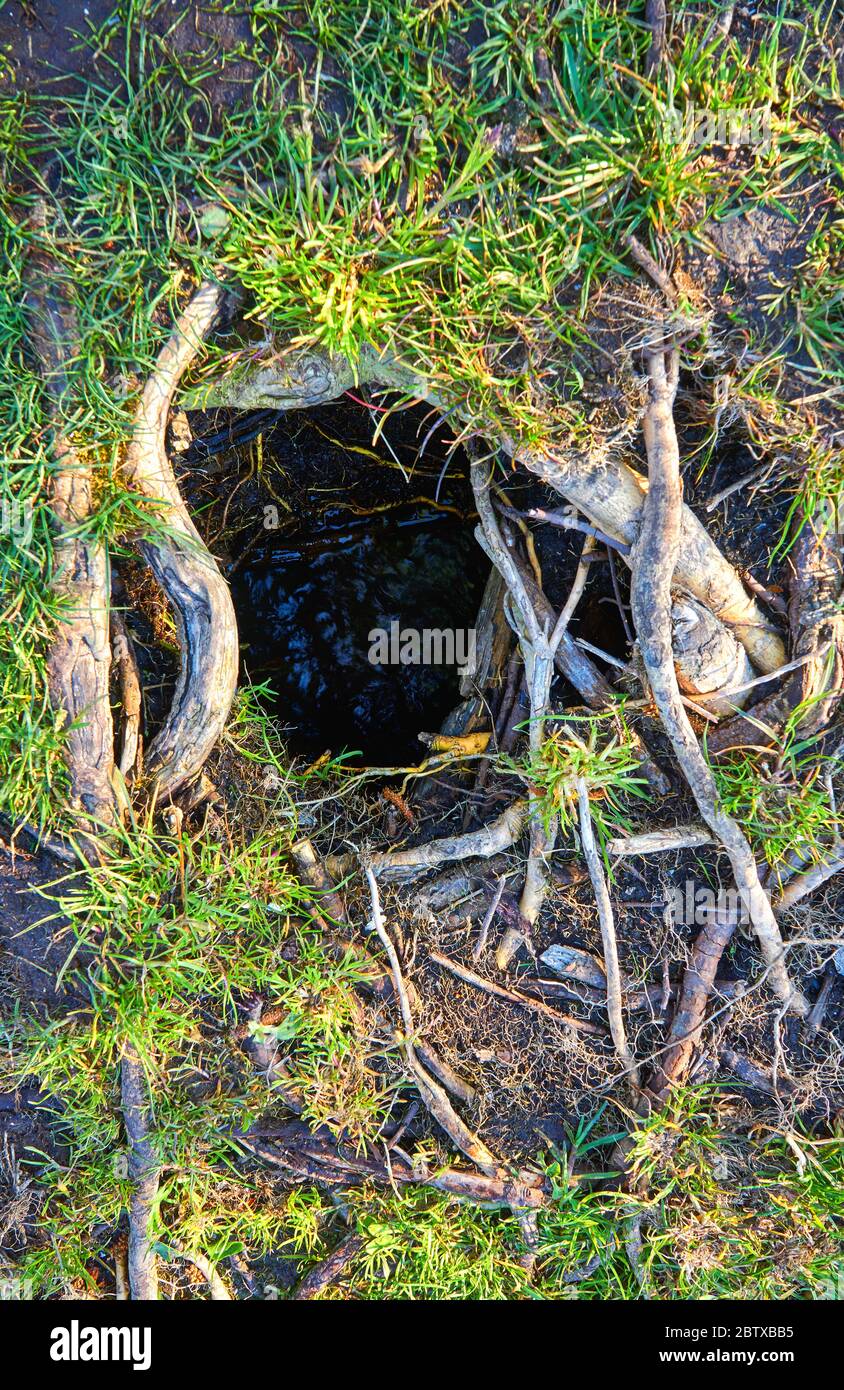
(308, 602)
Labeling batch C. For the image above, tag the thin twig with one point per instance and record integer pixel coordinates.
(433, 1095)
(605, 916)
(483, 934)
(511, 997)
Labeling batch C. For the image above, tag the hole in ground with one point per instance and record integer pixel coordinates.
(329, 542)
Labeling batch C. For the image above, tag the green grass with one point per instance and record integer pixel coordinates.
(784, 802)
(600, 749)
(473, 195)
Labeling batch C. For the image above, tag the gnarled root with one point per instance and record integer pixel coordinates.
(654, 559)
(816, 622)
(79, 660)
(406, 864)
(185, 568)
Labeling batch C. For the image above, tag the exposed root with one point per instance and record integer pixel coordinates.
(609, 493)
(500, 834)
(657, 841)
(186, 570)
(318, 1279)
(433, 1095)
(217, 1286)
(314, 873)
(605, 917)
(688, 1019)
(79, 659)
(816, 622)
(510, 996)
(653, 569)
(806, 883)
(573, 663)
(319, 1158)
(143, 1173)
(711, 665)
(539, 644)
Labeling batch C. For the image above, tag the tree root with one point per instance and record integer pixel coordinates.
(319, 1158)
(688, 1019)
(434, 1096)
(653, 568)
(318, 1279)
(143, 1173)
(510, 996)
(183, 565)
(405, 864)
(816, 623)
(605, 916)
(79, 660)
(131, 699)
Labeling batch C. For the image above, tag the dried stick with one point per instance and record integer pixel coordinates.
(143, 1173)
(433, 1095)
(605, 916)
(185, 568)
(654, 559)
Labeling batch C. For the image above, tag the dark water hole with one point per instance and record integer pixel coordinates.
(310, 593)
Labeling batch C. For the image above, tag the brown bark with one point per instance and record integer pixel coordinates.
(318, 1279)
(689, 1015)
